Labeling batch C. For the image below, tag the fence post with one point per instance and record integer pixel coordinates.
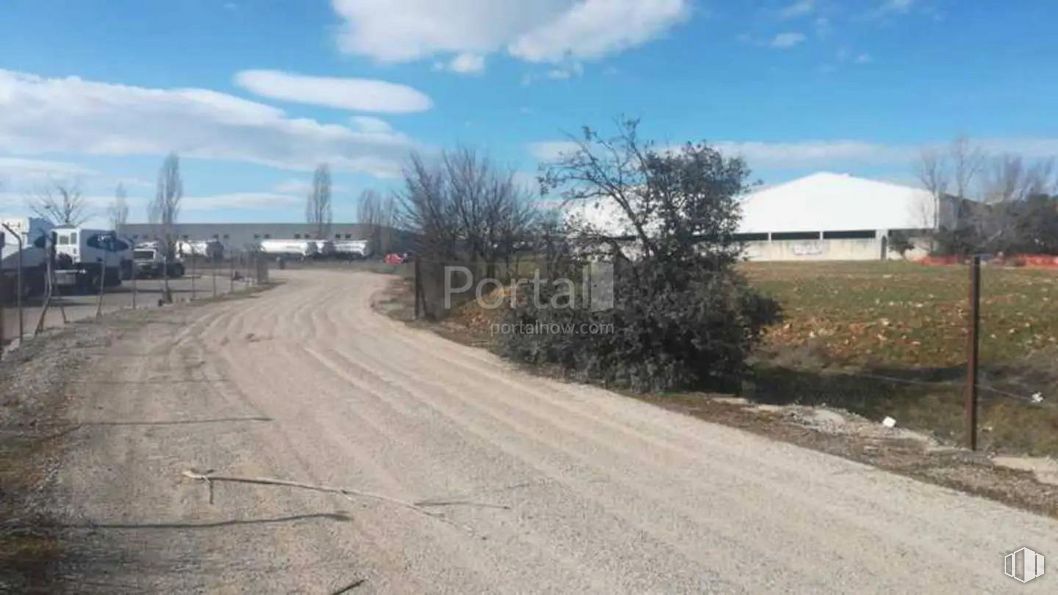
(194, 262)
(19, 288)
(102, 283)
(973, 351)
(3, 300)
(213, 274)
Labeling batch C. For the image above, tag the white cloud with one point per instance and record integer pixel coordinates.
(897, 6)
(240, 201)
(71, 115)
(799, 8)
(467, 63)
(816, 153)
(536, 31)
(787, 40)
(16, 168)
(550, 150)
(366, 95)
(370, 125)
(835, 154)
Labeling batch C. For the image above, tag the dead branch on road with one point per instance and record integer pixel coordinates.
(209, 477)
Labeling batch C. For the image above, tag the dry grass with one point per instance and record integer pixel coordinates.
(890, 339)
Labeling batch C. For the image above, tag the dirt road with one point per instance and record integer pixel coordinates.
(546, 487)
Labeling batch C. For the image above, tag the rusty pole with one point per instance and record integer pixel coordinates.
(973, 351)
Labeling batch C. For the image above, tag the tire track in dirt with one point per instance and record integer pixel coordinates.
(606, 494)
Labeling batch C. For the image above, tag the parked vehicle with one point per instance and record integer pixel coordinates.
(395, 258)
(296, 248)
(325, 248)
(211, 250)
(352, 249)
(150, 262)
(85, 258)
(32, 257)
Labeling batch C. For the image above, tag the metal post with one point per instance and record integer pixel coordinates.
(231, 278)
(2, 300)
(213, 273)
(134, 267)
(102, 283)
(973, 351)
(194, 293)
(19, 288)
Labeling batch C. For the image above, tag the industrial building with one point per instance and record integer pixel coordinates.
(823, 216)
(246, 236)
(827, 216)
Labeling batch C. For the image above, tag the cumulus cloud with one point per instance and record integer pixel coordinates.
(787, 40)
(537, 31)
(71, 115)
(364, 95)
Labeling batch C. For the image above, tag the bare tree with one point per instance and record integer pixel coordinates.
(318, 205)
(119, 209)
(164, 210)
(932, 172)
(967, 161)
(60, 202)
(464, 207)
(377, 215)
(1010, 178)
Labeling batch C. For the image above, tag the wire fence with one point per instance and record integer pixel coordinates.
(26, 313)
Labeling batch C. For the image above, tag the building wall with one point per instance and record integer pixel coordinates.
(876, 248)
(244, 236)
(808, 250)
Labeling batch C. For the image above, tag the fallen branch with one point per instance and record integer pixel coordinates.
(209, 478)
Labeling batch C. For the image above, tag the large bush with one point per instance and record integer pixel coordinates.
(682, 316)
(667, 330)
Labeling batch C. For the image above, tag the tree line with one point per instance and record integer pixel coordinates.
(989, 202)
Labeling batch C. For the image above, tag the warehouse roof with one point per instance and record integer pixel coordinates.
(835, 202)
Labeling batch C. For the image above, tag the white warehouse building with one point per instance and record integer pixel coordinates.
(827, 216)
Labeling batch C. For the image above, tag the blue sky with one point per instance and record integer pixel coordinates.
(99, 90)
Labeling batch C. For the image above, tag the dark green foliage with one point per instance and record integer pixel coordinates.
(668, 329)
(682, 316)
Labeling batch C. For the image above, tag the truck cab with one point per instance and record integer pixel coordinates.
(149, 261)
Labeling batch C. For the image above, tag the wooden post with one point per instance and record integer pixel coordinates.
(973, 351)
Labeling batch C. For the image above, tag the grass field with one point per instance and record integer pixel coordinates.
(907, 314)
(890, 339)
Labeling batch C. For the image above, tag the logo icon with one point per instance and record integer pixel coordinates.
(1023, 565)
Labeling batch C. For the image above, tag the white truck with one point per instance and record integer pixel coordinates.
(325, 248)
(84, 258)
(352, 249)
(150, 262)
(296, 248)
(32, 257)
(208, 249)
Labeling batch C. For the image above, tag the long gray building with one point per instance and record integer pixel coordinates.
(244, 236)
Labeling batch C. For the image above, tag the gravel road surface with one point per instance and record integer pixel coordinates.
(544, 486)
